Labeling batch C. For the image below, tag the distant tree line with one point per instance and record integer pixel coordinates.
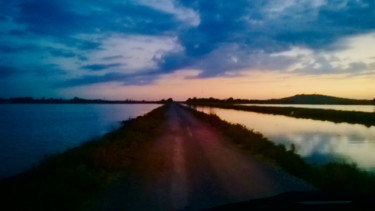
(215, 100)
(76, 100)
(297, 99)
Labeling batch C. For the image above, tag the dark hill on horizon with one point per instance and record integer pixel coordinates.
(314, 99)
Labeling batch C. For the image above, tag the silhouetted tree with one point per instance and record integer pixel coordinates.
(230, 100)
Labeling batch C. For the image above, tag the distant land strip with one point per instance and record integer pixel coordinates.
(352, 117)
(296, 99)
(76, 100)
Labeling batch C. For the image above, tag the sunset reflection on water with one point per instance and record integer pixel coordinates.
(317, 141)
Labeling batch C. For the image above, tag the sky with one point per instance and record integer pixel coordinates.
(153, 49)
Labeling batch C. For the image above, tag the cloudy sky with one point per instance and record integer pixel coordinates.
(152, 49)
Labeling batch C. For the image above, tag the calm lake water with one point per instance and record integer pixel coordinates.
(29, 132)
(364, 108)
(318, 142)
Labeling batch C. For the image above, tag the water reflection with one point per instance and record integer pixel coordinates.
(363, 108)
(317, 141)
(28, 132)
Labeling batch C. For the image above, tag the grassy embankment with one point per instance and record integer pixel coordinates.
(74, 179)
(336, 177)
(352, 117)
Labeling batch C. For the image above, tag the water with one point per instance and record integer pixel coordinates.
(318, 142)
(29, 132)
(364, 108)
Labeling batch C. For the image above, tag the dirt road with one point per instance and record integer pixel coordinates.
(191, 166)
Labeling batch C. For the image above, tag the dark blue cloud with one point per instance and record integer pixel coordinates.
(6, 71)
(126, 79)
(331, 22)
(50, 18)
(92, 79)
(11, 48)
(172, 61)
(220, 23)
(61, 18)
(42, 70)
(112, 57)
(87, 45)
(62, 53)
(144, 20)
(19, 33)
(97, 67)
(3, 18)
(356, 15)
(14, 48)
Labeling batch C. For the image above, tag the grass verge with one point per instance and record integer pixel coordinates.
(335, 177)
(353, 117)
(74, 179)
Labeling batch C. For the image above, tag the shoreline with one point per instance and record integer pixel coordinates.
(336, 116)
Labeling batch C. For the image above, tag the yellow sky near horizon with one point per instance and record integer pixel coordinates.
(183, 84)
